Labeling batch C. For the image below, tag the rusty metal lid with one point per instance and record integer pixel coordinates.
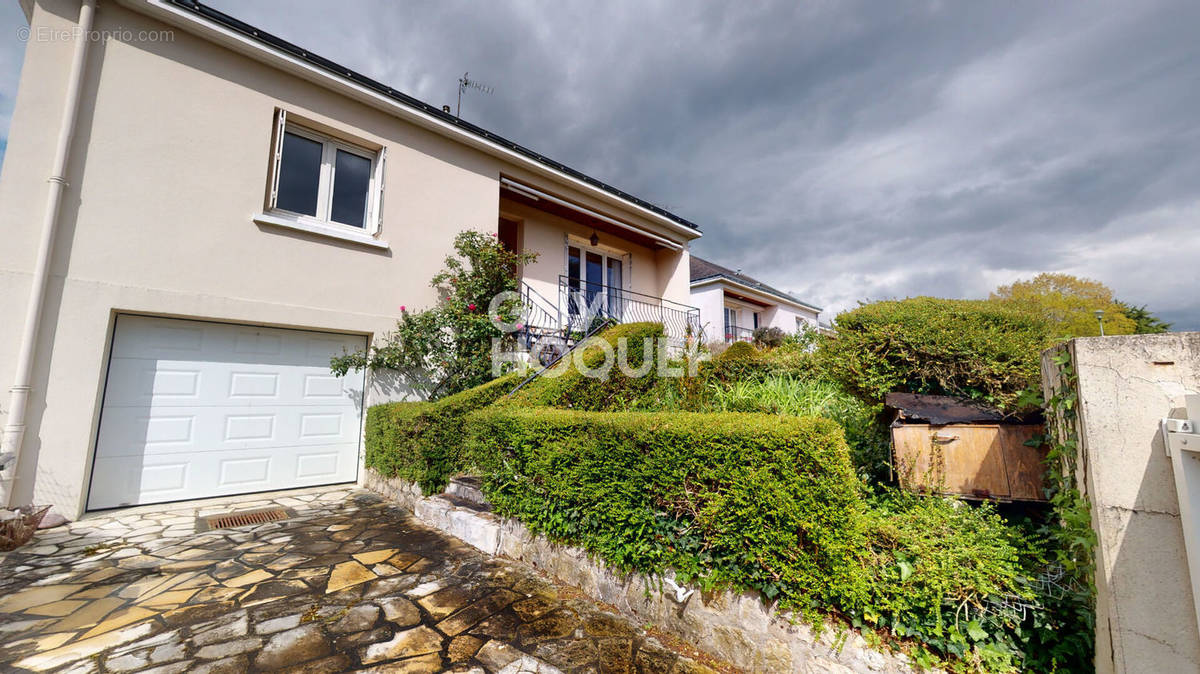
(940, 410)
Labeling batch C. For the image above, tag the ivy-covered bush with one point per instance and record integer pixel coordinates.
(423, 441)
(970, 348)
(753, 501)
(953, 575)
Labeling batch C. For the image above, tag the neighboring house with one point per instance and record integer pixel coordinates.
(733, 305)
(225, 213)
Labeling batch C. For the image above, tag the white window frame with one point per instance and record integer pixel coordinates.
(321, 223)
(605, 253)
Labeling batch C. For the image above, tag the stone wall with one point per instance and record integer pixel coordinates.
(1145, 620)
(737, 627)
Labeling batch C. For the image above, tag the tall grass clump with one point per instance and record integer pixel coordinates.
(804, 396)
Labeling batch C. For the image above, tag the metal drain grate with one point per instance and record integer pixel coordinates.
(244, 518)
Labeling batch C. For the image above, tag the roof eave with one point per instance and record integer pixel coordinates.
(774, 296)
(170, 13)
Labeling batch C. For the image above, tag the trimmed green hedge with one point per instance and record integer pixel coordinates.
(423, 441)
(973, 348)
(575, 390)
(750, 500)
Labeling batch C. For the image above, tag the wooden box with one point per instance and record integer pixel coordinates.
(987, 461)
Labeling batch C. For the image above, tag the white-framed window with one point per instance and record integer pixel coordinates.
(596, 271)
(325, 181)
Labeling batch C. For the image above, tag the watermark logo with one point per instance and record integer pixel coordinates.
(50, 34)
(562, 343)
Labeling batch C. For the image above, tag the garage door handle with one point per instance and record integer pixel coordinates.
(944, 439)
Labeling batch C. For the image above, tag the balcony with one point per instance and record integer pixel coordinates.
(581, 304)
(736, 334)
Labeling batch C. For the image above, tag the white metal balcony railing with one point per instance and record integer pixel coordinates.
(735, 334)
(581, 305)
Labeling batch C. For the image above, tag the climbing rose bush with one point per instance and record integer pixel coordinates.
(447, 348)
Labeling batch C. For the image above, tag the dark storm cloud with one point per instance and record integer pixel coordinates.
(842, 150)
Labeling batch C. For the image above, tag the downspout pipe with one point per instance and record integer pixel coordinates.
(14, 428)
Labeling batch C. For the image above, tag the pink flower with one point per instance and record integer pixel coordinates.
(520, 326)
(471, 307)
(448, 298)
(401, 307)
(493, 235)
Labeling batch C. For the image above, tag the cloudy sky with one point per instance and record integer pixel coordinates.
(842, 150)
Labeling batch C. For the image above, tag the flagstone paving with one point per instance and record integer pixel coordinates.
(349, 583)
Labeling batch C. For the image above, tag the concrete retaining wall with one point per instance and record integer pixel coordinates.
(1144, 613)
(737, 627)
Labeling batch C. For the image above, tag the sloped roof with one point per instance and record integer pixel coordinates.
(343, 72)
(703, 270)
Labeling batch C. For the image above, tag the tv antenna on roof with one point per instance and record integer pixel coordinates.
(465, 83)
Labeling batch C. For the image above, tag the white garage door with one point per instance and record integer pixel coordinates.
(195, 409)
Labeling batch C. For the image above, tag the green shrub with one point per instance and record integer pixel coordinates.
(567, 387)
(970, 348)
(809, 396)
(742, 361)
(769, 338)
(739, 361)
(943, 571)
(754, 501)
(447, 348)
(791, 358)
(751, 501)
(423, 441)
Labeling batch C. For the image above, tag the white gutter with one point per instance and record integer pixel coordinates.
(14, 429)
(539, 195)
(754, 291)
(236, 41)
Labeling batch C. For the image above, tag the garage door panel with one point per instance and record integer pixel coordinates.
(178, 477)
(151, 478)
(162, 339)
(204, 419)
(128, 431)
(135, 382)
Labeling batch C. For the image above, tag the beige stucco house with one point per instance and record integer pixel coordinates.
(732, 305)
(196, 215)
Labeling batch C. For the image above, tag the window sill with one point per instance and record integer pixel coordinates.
(331, 231)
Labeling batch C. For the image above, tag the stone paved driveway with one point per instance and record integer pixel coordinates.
(349, 583)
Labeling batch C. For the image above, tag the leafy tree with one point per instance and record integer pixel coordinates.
(1145, 323)
(1069, 303)
(448, 348)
